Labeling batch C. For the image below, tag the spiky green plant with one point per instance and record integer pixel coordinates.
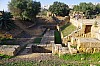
(6, 22)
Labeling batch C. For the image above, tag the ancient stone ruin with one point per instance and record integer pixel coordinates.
(10, 50)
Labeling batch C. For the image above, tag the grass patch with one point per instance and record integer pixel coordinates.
(75, 57)
(86, 57)
(57, 37)
(37, 40)
(72, 46)
(66, 60)
(67, 29)
(76, 64)
(5, 56)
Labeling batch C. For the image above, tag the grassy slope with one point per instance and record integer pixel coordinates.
(67, 29)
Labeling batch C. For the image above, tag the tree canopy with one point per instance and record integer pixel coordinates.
(88, 9)
(98, 8)
(60, 9)
(84, 6)
(24, 9)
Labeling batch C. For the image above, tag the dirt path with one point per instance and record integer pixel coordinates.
(30, 57)
(37, 30)
(47, 60)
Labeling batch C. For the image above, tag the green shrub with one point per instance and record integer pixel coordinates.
(5, 56)
(57, 37)
(6, 22)
(7, 41)
(37, 40)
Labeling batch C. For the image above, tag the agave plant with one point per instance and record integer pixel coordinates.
(6, 23)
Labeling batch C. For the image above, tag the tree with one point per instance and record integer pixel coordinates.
(60, 9)
(6, 22)
(87, 8)
(24, 9)
(76, 8)
(98, 8)
(33, 8)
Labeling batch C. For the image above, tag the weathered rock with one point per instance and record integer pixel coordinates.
(9, 49)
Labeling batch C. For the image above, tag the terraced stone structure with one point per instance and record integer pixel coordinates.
(87, 38)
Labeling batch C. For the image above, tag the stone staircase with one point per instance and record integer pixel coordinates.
(48, 36)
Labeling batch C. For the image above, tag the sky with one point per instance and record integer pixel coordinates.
(3, 3)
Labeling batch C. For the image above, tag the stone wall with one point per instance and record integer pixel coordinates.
(61, 20)
(74, 40)
(86, 38)
(89, 45)
(94, 31)
(71, 50)
(59, 49)
(76, 23)
(10, 50)
(44, 48)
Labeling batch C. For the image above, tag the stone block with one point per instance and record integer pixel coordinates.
(10, 50)
(89, 50)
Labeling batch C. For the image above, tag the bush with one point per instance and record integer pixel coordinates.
(7, 41)
(57, 37)
(90, 16)
(37, 40)
(5, 56)
(6, 23)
